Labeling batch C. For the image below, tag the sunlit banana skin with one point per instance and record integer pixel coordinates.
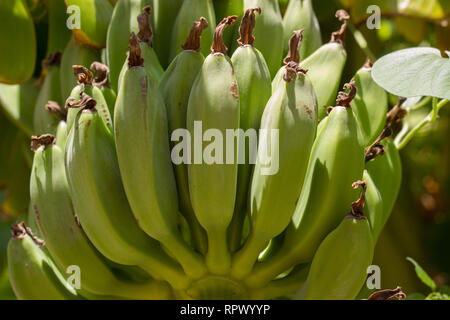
(65, 240)
(141, 132)
(269, 26)
(175, 87)
(336, 161)
(339, 267)
(385, 173)
(190, 11)
(300, 14)
(254, 83)
(94, 18)
(214, 102)
(292, 113)
(32, 274)
(123, 22)
(18, 45)
(101, 205)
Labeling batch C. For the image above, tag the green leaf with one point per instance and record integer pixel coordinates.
(423, 276)
(415, 296)
(445, 290)
(414, 72)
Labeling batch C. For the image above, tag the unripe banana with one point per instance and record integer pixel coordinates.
(292, 113)
(18, 44)
(269, 26)
(61, 134)
(123, 22)
(74, 55)
(101, 81)
(58, 34)
(166, 12)
(32, 274)
(370, 105)
(254, 83)
(101, 205)
(339, 267)
(325, 67)
(94, 16)
(65, 240)
(175, 86)
(18, 101)
(300, 15)
(385, 173)
(336, 161)
(214, 104)
(144, 160)
(145, 36)
(190, 11)
(87, 88)
(44, 121)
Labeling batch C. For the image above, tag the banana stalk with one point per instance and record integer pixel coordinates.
(214, 104)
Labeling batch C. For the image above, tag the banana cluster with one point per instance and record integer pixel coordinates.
(114, 215)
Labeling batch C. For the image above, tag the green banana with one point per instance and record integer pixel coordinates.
(370, 105)
(33, 276)
(300, 15)
(18, 46)
(100, 201)
(17, 101)
(141, 132)
(325, 67)
(253, 79)
(166, 12)
(223, 9)
(58, 35)
(145, 35)
(61, 134)
(65, 240)
(94, 16)
(102, 82)
(336, 160)
(87, 88)
(190, 11)
(214, 104)
(270, 26)
(74, 55)
(385, 176)
(292, 112)
(45, 121)
(339, 267)
(123, 22)
(175, 87)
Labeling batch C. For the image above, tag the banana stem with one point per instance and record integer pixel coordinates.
(244, 259)
(235, 230)
(218, 258)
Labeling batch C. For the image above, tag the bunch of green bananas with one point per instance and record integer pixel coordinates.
(121, 209)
